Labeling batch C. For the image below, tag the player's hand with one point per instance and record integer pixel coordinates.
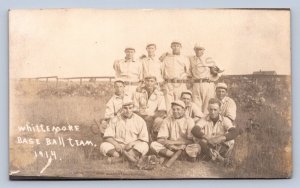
(163, 56)
(216, 140)
(129, 146)
(143, 56)
(181, 147)
(214, 70)
(174, 147)
(119, 148)
(169, 146)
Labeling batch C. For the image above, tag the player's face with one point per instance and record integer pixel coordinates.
(178, 111)
(128, 111)
(151, 50)
(176, 48)
(129, 53)
(186, 98)
(199, 52)
(119, 88)
(213, 110)
(150, 83)
(221, 93)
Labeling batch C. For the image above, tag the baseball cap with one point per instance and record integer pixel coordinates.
(221, 85)
(179, 103)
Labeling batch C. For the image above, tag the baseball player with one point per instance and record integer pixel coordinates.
(150, 105)
(152, 66)
(126, 135)
(215, 133)
(114, 105)
(228, 106)
(129, 70)
(176, 73)
(204, 75)
(191, 109)
(175, 133)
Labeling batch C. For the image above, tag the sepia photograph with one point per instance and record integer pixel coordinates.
(150, 94)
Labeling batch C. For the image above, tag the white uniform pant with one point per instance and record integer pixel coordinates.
(190, 149)
(172, 92)
(141, 147)
(130, 90)
(202, 92)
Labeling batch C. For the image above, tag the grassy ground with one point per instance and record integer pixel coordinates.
(260, 152)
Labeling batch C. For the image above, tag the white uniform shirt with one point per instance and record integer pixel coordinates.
(126, 70)
(228, 108)
(200, 69)
(127, 130)
(176, 129)
(148, 105)
(152, 67)
(114, 105)
(193, 111)
(212, 130)
(176, 66)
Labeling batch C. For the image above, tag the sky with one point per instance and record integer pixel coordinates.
(86, 42)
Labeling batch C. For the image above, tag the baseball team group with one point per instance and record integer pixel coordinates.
(168, 107)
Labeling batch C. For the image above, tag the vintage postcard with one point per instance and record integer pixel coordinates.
(149, 94)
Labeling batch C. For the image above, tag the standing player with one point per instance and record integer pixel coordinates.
(129, 70)
(204, 75)
(176, 72)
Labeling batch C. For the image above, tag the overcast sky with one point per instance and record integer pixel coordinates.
(85, 42)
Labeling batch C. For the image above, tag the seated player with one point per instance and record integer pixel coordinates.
(175, 133)
(126, 135)
(150, 105)
(114, 105)
(228, 106)
(191, 109)
(215, 134)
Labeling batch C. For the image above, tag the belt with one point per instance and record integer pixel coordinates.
(202, 80)
(131, 83)
(175, 81)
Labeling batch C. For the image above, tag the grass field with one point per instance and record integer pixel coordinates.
(262, 151)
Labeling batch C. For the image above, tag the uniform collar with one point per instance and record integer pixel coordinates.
(144, 90)
(178, 118)
(176, 54)
(225, 99)
(152, 58)
(196, 57)
(121, 97)
(123, 118)
(208, 118)
(128, 60)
